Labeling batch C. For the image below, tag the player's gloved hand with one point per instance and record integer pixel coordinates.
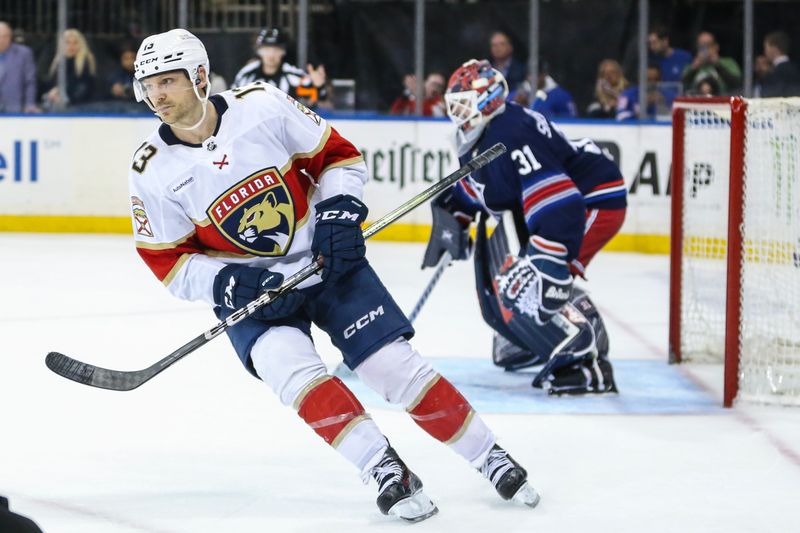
(537, 284)
(337, 235)
(449, 232)
(237, 285)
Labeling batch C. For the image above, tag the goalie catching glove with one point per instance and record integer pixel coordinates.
(449, 231)
(237, 285)
(337, 236)
(537, 284)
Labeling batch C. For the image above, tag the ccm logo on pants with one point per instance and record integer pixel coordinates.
(350, 330)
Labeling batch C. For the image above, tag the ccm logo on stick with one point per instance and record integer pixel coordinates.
(350, 330)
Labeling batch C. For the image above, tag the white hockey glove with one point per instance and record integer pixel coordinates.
(537, 284)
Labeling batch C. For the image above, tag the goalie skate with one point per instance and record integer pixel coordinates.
(400, 490)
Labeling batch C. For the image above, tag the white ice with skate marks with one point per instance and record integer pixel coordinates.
(204, 447)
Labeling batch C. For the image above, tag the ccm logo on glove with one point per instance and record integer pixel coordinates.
(338, 215)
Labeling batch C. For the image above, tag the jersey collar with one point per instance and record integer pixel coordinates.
(166, 134)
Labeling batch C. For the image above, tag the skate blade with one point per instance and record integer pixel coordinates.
(415, 508)
(527, 495)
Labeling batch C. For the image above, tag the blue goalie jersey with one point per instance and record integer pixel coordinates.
(543, 176)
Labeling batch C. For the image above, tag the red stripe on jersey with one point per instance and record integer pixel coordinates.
(608, 185)
(552, 190)
(442, 411)
(335, 150)
(468, 189)
(552, 247)
(329, 407)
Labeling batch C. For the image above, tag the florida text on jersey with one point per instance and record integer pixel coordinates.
(245, 195)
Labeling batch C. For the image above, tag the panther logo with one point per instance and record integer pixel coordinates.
(257, 214)
(265, 221)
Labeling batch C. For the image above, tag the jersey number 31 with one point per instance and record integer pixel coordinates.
(526, 160)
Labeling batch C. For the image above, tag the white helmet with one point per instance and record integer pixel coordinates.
(176, 49)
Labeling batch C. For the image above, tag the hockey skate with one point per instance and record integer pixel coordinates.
(400, 490)
(508, 477)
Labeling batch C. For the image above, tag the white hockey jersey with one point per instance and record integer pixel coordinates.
(245, 195)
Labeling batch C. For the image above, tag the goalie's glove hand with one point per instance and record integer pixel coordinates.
(537, 284)
(337, 236)
(449, 232)
(237, 285)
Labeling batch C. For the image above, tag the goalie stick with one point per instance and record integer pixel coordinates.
(122, 380)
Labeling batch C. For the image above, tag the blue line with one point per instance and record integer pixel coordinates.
(34, 153)
(17, 160)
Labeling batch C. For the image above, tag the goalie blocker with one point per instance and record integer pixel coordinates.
(573, 346)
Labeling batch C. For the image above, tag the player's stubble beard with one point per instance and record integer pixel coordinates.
(183, 113)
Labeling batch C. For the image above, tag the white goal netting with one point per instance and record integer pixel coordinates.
(769, 329)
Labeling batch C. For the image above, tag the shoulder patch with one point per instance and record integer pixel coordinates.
(140, 220)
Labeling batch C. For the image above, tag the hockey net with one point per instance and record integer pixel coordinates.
(735, 259)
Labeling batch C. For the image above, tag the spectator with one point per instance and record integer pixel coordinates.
(17, 75)
(609, 86)
(628, 102)
(556, 102)
(121, 81)
(306, 86)
(784, 79)
(708, 87)
(761, 67)
(707, 63)
(670, 60)
(432, 106)
(81, 70)
(502, 59)
(405, 104)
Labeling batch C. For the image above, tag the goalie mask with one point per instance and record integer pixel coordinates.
(174, 50)
(475, 93)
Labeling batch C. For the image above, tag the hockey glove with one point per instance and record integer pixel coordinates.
(537, 284)
(337, 236)
(449, 232)
(237, 285)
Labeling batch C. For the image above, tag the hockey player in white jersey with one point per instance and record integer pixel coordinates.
(236, 191)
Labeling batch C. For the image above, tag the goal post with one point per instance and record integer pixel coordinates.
(735, 243)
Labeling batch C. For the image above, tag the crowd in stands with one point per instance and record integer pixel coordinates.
(671, 72)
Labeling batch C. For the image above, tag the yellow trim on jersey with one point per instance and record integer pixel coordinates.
(202, 223)
(343, 163)
(165, 245)
(174, 270)
(302, 155)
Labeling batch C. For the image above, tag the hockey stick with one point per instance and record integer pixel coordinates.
(444, 262)
(122, 380)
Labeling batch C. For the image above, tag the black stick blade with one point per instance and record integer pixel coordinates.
(95, 376)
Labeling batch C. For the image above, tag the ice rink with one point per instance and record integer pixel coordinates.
(206, 448)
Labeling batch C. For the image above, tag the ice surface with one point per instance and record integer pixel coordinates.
(204, 447)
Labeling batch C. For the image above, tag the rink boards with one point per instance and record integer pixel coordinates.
(68, 173)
